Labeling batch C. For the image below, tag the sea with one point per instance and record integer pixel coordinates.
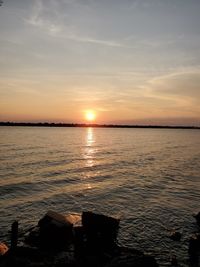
(149, 178)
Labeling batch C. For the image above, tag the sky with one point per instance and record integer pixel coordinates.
(130, 61)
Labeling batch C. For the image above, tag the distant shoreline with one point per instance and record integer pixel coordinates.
(46, 124)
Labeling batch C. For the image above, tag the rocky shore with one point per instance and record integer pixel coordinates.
(72, 240)
(79, 240)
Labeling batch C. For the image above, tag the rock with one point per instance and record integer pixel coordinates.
(197, 217)
(55, 231)
(194, 244)
(74, 218)
(54, 216)
(176, 236)
(33, 237)
(3, 248)
(26, 257)
(100, 228)
(60, 241)
(194, 249)
(32, 257)
(130, 257)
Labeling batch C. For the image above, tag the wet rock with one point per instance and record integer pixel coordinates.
(100, 228)
(175, 235)
(3, 248)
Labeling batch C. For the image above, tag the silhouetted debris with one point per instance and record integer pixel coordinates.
(175, 235)
(61, 240)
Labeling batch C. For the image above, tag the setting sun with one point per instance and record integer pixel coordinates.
(90, 115)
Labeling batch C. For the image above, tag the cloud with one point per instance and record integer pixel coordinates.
(182, 84)
(177, 92)
(40, 17)
(49, 19)
(94, 41)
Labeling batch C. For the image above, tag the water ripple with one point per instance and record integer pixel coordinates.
(145, 176)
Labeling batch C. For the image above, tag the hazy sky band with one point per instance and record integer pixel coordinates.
(130, 61)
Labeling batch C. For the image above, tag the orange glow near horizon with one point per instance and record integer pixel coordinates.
(90, 115)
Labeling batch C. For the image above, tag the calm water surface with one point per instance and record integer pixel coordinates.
(148, 177)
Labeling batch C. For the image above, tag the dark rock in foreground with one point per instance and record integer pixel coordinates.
(61, 240)
(129, 257)
(55, 230)
(120, 257)
(194, 249)
(100, 228)
(197, 217)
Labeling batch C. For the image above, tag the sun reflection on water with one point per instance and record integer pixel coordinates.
(89, 152)
(89, 149)
(90, 136)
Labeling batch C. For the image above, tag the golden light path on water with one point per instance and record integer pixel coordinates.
(89, 153)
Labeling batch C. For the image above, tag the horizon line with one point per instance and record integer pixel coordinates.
(95, 125)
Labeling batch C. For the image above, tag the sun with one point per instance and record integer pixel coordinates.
(90, 115)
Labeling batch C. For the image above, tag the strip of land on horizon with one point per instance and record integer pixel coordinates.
(47, 124)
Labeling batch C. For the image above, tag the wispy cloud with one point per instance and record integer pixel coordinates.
(94, 41)
(163, 41)
(37, 19)
(62, 30)
(180, 89)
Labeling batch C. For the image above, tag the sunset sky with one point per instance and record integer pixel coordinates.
(128, 61)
